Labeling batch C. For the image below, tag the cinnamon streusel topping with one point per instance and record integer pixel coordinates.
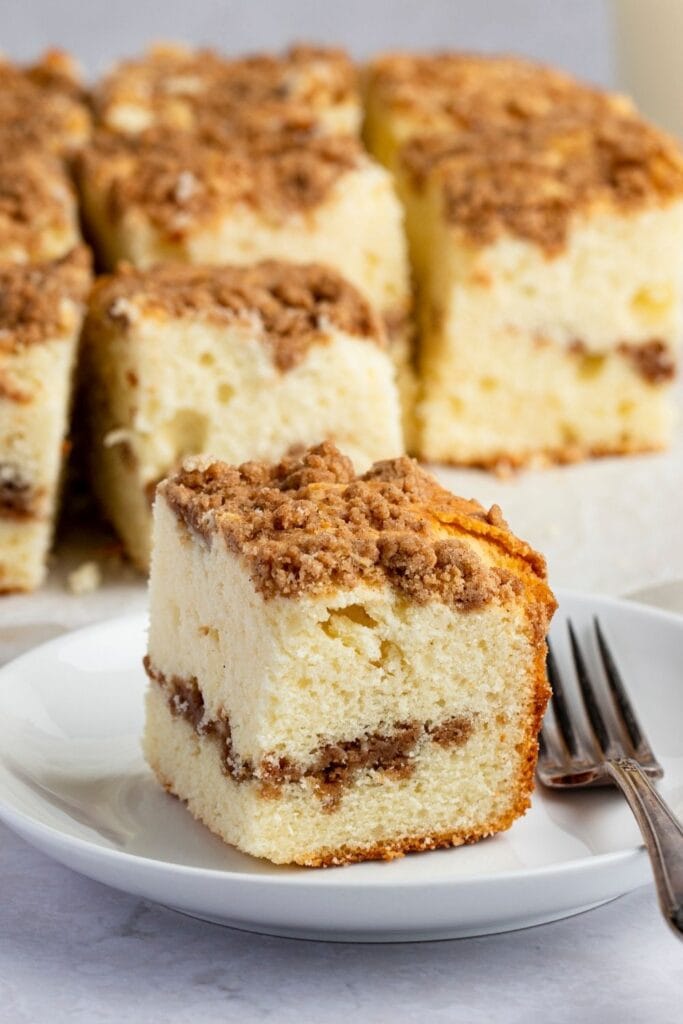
(295, 304)
(181, 180)
(36, 301)
(310, 525)
(453, 91)
(530, 180)
(37, 208)
(184, 89)
(42, 106)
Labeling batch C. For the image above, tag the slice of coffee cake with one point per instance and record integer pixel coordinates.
(41, 310)
(549, 259)
(182, 89)
(290, 196)
(244, 362)
(293, 197)
(341, 667)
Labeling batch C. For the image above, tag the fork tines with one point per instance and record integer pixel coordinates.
(614, 728)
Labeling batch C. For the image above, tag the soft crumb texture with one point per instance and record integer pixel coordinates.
(309, 524)
(38, 216)
(43, 106)
(186, 90)
(42, 301)
(531, 180)
(292, 306)
(180, 181)
(447, 93)
(85, 579)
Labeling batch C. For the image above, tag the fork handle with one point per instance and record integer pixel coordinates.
(662, 833)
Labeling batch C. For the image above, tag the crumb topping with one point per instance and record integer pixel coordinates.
(36, 301)
(180, 180)
(42, 106)
(36, 203)
(310, 525)
(184, 89)
(291, 306)
(531, 179)
(464, 91)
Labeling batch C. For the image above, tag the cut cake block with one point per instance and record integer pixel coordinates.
(296, 197)
(410, 94)
(38, 214)
(182, 89)
(43, 106)
(41, 310)
(341, 667)
(292, 197)
(549, 261)
(244, 362)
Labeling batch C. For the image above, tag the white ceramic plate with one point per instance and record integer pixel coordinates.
(74, 784)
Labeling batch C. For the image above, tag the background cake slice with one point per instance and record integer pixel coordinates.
(181, 89)
(549, 261)
(341, 667)
(41, 309)
(290, 196)
(244, 362)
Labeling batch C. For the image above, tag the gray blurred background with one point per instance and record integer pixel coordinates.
(575, 34)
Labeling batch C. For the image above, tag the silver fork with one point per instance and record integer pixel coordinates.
(613, 750)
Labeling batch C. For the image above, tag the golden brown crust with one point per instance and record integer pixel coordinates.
(295, 305)
(183, 89)
(42, 106)
(530, 180)
(37, 302)
(180, 181)
(309, 525)
(452, 92)
(506, 463)
(37, 208)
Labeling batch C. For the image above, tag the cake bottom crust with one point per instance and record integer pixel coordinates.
(506, 462)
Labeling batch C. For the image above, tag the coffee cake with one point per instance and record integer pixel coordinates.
(341, 667)
(244, 362)
(549, 259)
(41, 309)
(290, 196)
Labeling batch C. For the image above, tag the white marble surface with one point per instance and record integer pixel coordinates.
(72, 950)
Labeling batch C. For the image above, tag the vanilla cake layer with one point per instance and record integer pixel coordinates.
(409, 94)
(241, 362)
(40, 315)
(43, 106)
(181, 89)
(341, 667)
(549, 261)
(38, 213)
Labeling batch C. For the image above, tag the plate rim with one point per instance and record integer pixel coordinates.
(23, 822)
